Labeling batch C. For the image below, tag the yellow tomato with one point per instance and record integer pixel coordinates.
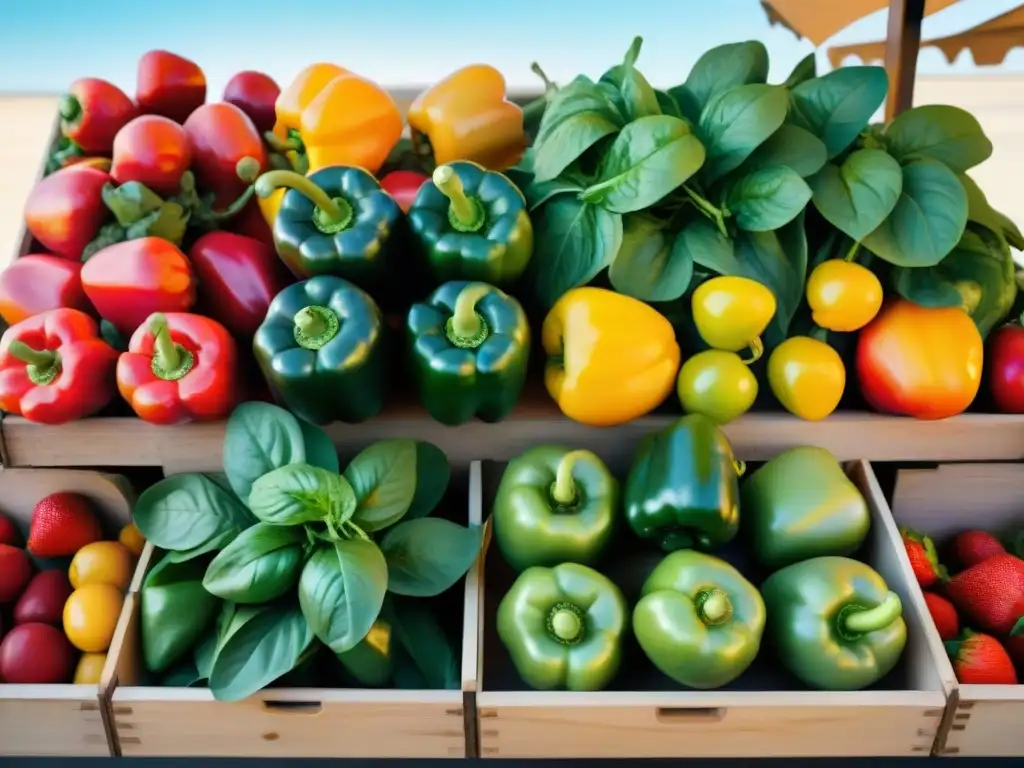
(731, 313)
(716, 384)
(131, 537)
(807, 376)
(102, 562)
(90, 616)
(843, 296)
(89, 668)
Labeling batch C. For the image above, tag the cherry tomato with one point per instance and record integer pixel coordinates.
(731, 313)
(1005, 363)
(843, 296)
(716, 384)
(152, 150)
(255, 94)
(807, 376)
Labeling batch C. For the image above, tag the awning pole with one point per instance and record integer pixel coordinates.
(902, 44)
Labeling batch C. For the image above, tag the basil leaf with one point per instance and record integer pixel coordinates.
(790, 146)
(320, 451)
(857, 196)
(651, 157)
(424, 640)
(426, 556)
(805, 69)
(341, 591)
(708, 247)
(837, 106)
(260, 437)
(433, 473)
(736, 122)
(301, 493)
(577, 117)
(370, 660)
(215, 544)
(718, 70)
(948, 134)
(174, 612)
(259, 566)
(767, 199)
(183, 512)
(648, 265)
(383, 477)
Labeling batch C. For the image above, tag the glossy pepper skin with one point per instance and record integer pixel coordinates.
(403, 186)
(469, 345)
(336, 221)
(154, 151)
(169, 85)
(834, 623)
(698, 620)
(555, 505)
(179, 368)
(563, 627)
(611, 358)
(801, 505)
(255, 93)
(469, 223)
(54, 368)
(91, 114)
(65, 210)
(467, 116)
(37, 283)
(321, 350)
(219, 136)
(683, 488)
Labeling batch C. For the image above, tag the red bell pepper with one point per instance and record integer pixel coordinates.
(37, 283)
(255, 94)
(1004, 361)
(250, 222)
(169, 85)
(238, 278)
(152, 150)
(219, 136)
(178, 368)
(65, 210)
(403, 186)
(91, 114)
(129, 281)
(54, 368)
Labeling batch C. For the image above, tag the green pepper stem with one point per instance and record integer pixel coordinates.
(565, 623)
(40, 358)
(164, 348)
(467, 328)
(549, 87)
(872, 619)
(315, 326)
(564, 490)
(852, 253)
(756, 347)
(280, 145)
(464, 213)
(309, 322)
(271, 181)
(714, 606)
(70, 107)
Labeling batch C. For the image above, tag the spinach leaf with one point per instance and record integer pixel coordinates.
(736, 122)
(777, 260)
(262, 650)
(837, 106)
(650, 157)
(433, 473)
(383, 477)
(341, 591)
(857, 196)
(426, 556)
(301, 493)
(174, 612)
(718, 70)
(790, 146)
(805, 69)
(259, 566)
(578, 116)
(426, 643)
(187, 511)
(948, 134)
(928, 220)
(708, 247)
(648, 265)
(320, 450)
(981, 212)
(182, 675)
(668, 105)
(540, 192)
(206, 650)
(1010, 231)
(638, 97)
(371, 660)
(405, 675)
(260, 437)
(767, 199)
(573, 242)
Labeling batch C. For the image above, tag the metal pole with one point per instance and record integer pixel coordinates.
(902, 44)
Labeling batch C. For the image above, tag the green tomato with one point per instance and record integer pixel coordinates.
(717, 384)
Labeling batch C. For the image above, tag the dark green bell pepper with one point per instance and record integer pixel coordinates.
(555, 505)
(802, 505)
(336, 221)
(321, 350)
(698, 620)
(563, 627)
(469, 345)
(683, 488)
(471, 224)
(174, 611)
(834, 623)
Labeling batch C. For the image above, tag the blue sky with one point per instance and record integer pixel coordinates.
(44, 44)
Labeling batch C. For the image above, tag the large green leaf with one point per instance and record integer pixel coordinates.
(719, 69)
(768, 198)
(260, 437)
(708, 247)
(577, 117)
(940, 132)
(837, 106)
(383, 477)
(736, 122)
(790, 146)
(857, 196)
(649, 266)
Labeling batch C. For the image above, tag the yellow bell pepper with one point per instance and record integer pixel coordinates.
(467, 116)
(611, 358)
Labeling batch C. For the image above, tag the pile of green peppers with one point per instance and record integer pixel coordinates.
(829, 619)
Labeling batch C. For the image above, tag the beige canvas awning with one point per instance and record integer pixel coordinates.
(818, 20)
(989, 42)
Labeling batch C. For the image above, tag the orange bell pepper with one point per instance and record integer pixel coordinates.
(467, 116)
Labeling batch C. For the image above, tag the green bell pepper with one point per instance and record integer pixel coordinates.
(471, 224)
(174, 611)
(336, 221)
(834, 622)
(563, 627)
(321, 350)
(683, 488)
(469, 344)
(802, 505)
(555, 505)
(698, 620)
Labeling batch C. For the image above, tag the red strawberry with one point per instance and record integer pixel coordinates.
(981, 660)
(991, 593)
(8, 531)
(923, 559)
(62, 524)
(971, 547)
(944, 615)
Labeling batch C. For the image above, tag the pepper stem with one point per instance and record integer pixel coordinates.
(70, 108)
(860, 621)
(564, 490)
(315, 326)
(756, 348)
(331, 215)
(714, 606)
(464, 213)
(43, 364)
(467, 329)
(539, 72)
(565, 623)
(170, 361)
(852, 253)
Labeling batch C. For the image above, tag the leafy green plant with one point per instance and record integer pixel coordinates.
(284, 556)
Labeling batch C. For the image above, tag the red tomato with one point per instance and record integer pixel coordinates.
(1005, 364)
(152, 150)
(403, 186)
(255, 94)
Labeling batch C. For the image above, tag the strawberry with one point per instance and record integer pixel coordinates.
(923, 559)
(62, 523)
(8, 531)
(944, 615)
(981, 660)
(971, 547)
(991, 593)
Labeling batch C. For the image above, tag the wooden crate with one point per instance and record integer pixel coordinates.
(58, 720)
(899, 716)
(983, 720)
